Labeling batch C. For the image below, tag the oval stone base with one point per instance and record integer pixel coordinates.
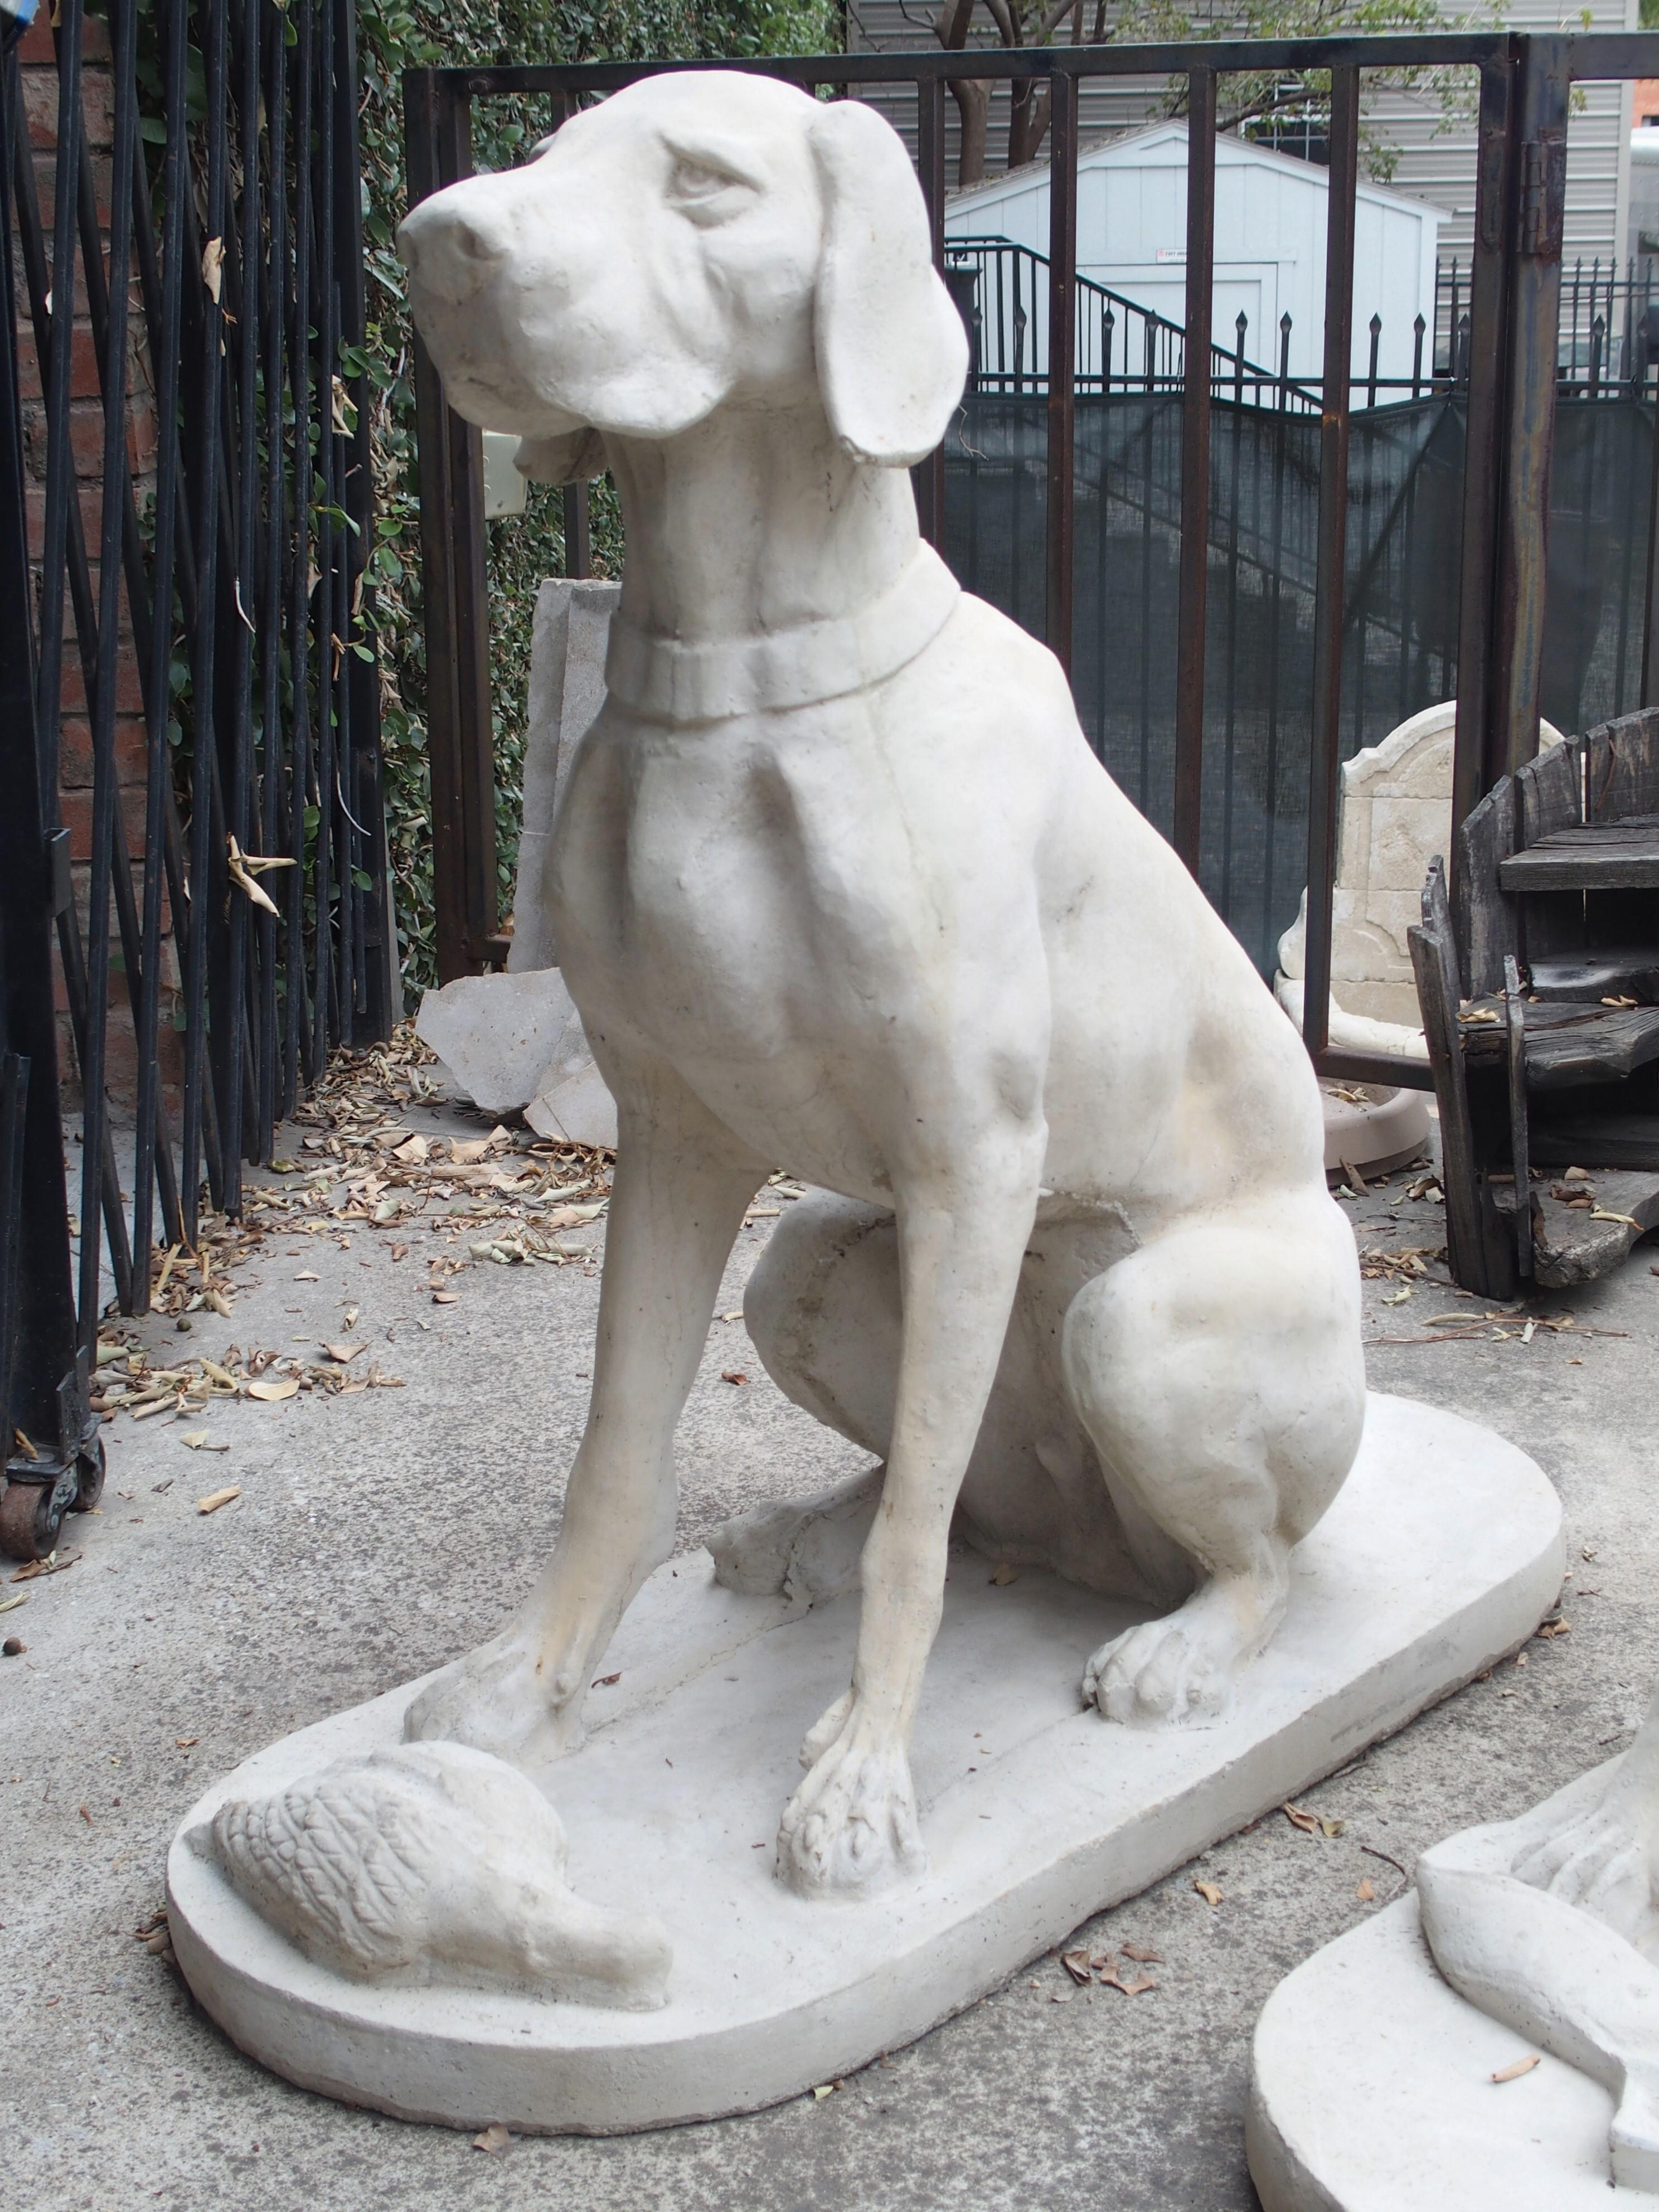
(1372, 2091)
(1443, 1551)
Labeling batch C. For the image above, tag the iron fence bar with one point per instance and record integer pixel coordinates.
(239, 783)
(94, 1110)
(1483, 465)
(1650, 633)
(302, 1063)
(61, 537)
(41, 1346)
(436, 125)
(38, 286)
(1326, 735)
(1533, 316)
(1062, 412)
(1286, 57)
(1192, 621)
(202, 884)
(274, 1097)
(930, 168)
(378, 1008)
(163, 293)
(324, 1003)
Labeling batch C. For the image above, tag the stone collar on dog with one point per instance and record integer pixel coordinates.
(665, 681)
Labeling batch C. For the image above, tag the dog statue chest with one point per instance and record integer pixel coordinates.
(722, 889)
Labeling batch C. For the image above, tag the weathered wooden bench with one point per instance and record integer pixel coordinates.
(1540, 991)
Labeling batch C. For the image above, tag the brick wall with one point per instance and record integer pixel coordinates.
(40, 95)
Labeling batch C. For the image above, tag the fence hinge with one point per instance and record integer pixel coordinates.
(1543, 194)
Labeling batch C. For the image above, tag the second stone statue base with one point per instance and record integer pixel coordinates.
(1373, 2091)
(1443, 1551)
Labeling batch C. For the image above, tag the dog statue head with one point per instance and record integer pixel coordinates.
(698, 241)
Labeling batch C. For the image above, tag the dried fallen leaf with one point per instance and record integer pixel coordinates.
(497, 2140)
(216, 1498)
(1208, 1892)
(1137, 1988)
(1366, 1892)
(825, 2089)
(1076, 1963)
(571, 1217)
(86, 1817)
(307, 1276)
(185, 1742)
(1555, 1628)
(411, 1151)
(733, 1374)
(1308, 1822)
(200, 1440)
(1602, 1213)
(273, 1393)
(213, 262)
(1141, 1956)
(1004, 1574)
(345, 1353)
(604, 1681)
(445, 1298)
(1514, 2072)
(464, 1150)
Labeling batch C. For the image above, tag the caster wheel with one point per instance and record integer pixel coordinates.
(89, 1477)
(29, 1522)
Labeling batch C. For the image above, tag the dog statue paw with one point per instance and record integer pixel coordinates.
(850, 1828)
(498, 1699)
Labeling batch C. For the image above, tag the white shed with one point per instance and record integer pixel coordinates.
(1269, 242)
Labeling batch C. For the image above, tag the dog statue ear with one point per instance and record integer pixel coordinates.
(891, 350)
(572, 459)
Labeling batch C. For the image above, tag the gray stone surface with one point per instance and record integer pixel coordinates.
(1030, 1819)
(567, 644)
(1374, 2092)
(496, 1034)
(380, 1533)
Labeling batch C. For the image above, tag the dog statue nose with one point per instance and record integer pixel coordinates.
(451, 248)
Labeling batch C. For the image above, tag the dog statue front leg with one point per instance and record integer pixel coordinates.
(677, 1200)
(852, 1825)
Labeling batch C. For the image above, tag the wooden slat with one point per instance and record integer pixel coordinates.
(1550, 788)
(1622, 768)
(1609, 971)
(1486, 923)
(1571, 1245)
(1594, 1140)
(1516, 1032)
(1480, 1263)
(1567, 1042)
(1615, 865)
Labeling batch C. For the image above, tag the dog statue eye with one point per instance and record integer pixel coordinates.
(704, 192)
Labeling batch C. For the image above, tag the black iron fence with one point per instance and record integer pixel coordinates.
(218, 895)
(1508, 367)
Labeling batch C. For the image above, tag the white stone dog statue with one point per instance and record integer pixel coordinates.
(839, 886)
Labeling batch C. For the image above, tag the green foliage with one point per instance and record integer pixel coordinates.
(1254, 98)
(397, 34)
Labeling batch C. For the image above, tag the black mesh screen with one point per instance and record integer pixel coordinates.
(1405, 477)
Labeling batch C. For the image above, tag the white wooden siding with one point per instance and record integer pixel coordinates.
(1437, 155)
(1269, 242)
